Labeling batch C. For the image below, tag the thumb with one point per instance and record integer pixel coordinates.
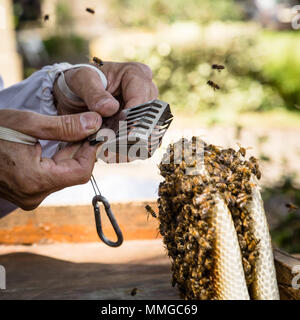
(70, 128)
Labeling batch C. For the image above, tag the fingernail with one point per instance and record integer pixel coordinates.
(104, 102)
(90, 121)
(107, 106)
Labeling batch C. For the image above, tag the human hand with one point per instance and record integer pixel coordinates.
(129, 84)
(25, 177)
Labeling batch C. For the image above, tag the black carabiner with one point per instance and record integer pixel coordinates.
(112, 219)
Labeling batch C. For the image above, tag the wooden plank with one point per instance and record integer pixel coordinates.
(284, 264)
(87, 271)
(76, 224)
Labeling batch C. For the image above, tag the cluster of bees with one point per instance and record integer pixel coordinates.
(186, 204)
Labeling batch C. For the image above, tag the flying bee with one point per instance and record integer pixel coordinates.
(150, 211)
(46, 17)
(213, 85)
(92, 11)
(218, 67)
(291, 206)
(98, 61)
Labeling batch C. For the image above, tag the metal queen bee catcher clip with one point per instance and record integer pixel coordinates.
(140, 128)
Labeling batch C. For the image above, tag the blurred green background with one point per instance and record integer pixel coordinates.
(180, 40)
(262, 64)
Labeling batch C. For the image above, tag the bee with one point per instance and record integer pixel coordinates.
(229, 199)
(242, 151)
(218, 67)
(208, 263)
(98, 61)
(246, 266)
(213, 85)
(174, 281)
(150, 211)
(255, 167)
(92, 11)
(242, 203)
(161, 230)
(291, 206)
(248, 187)
(216, 180)
(133, 292)
(253, 245)
(242, 242)
(221, 185)
(46, 17)
(204, 244)
(258, 174)
(253, 160)
(252, 257)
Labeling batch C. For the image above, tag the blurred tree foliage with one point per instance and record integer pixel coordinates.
(68, 47)
(26, 11)
(262, 68)
(64, 17)
(64, 45)
(282, 65)
(152, 13)
(182, 74)
(286, 235)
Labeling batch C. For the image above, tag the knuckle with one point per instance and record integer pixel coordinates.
(155, 89)
(67, 126)
(146, 70)
(141, 67)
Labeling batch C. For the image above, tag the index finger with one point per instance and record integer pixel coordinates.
(137, 88)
